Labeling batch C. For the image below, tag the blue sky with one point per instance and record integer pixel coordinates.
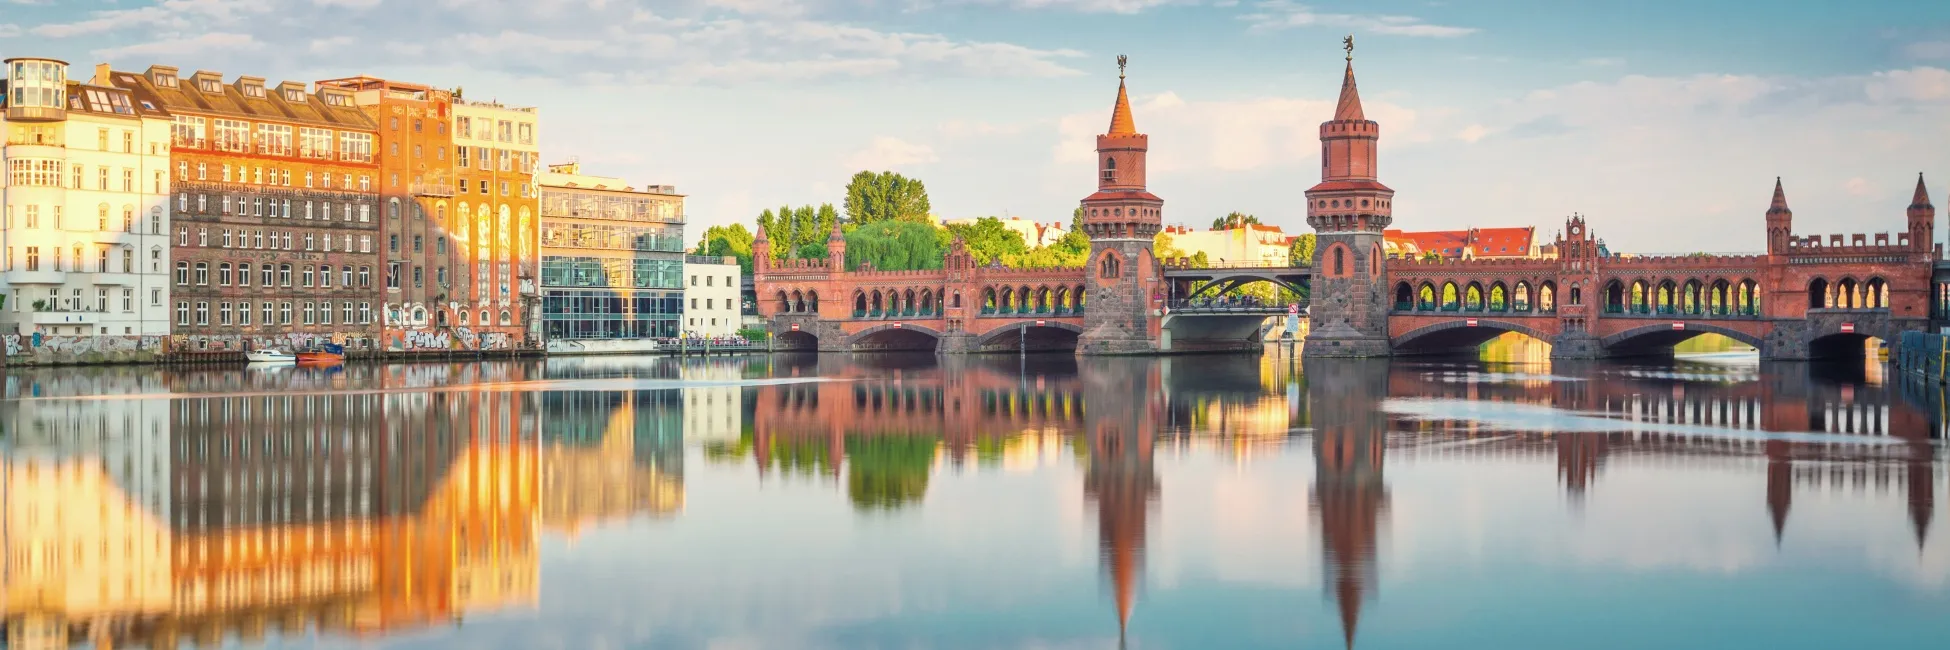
(1665, 122)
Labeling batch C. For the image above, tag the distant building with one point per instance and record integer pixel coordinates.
(1258, 243)
(711, 295)
(496, 154)
(1473, 243)
(612, 257)
(1034, 233)
(86, 194)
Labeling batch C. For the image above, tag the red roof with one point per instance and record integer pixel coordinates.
(1481, 242)
(1123, 195)
(1331, 186)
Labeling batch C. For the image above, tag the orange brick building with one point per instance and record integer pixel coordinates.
(274, 210)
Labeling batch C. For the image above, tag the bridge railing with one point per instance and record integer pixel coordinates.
(1182, 264)
(1228, 307)
(1436, 308)
(1004, 310)
(870, 314)
(1751, 311)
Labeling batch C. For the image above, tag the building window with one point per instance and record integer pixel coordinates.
(128, 300)
(182, 313)
(284, 313)
(202, 312)
(202, 274)
(223, 313)
(244, 313)
(182, 268)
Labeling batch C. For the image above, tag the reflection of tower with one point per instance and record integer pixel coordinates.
(1350, 493)
(1579, 456)
(1921, 488)
(1120, 479)
(1780, 486)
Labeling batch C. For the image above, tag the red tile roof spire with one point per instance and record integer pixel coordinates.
(1349, 108)
(1120, 115)
(1779, 206)
(1922, 197)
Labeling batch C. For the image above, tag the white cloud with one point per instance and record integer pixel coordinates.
(1472, 133)
(887, 153)
(9, 30)
(181, 46)
(1285, 14)
(1928, 50)
(350, 4)
(1086, 6)
(1603, 61)
(955, 129)
(1858, 186)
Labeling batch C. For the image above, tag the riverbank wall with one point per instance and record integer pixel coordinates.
(1923, 354)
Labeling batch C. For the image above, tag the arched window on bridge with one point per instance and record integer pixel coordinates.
(1404, 297)
(1547, 297)
(785, 304)
(927, 302)
(1077, 299)
(1818, 297)
(1451, 297)
(1614, 297)
(1719, 299)
(1667, 297)
(859, 304)
(1520, 298)
(812, 302)
(1689, 298)
(1425, 297)
(1499, 297)
(1641, 297)
(875, 306)
(989, 301)
(798, 302)
(1876, 294)
(1473, 297)
(1848, 294)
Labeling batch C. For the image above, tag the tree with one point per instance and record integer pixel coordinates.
(1431, 256)
(988, 239)
(1234, 220)
(894, 246)
(1301, 251)
(886, 196)
(732, 240)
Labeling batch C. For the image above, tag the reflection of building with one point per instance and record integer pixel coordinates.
(1350, 495)
(83, 558)
(1119, 477)
(608, 456)
(612, 257)
(711, 295)
(713, 413)
(87, 182)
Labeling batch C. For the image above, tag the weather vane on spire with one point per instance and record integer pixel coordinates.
(1121, 61)
(1348, 44)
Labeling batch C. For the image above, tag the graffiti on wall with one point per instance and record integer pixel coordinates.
(448, 338)
(40, 348)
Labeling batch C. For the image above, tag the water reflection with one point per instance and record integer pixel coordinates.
(210, 508)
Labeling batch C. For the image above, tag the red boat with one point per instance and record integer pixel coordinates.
(329, 355)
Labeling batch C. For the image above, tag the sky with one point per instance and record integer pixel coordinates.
(1664, 122)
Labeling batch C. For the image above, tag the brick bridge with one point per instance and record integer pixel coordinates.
(1805, 297)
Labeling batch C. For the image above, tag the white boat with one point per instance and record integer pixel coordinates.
(270, 356)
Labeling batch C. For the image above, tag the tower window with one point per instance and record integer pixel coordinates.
(1340, 261)
(1110, 169)
(1109, 268)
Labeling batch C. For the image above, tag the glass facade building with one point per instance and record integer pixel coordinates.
(612, 264)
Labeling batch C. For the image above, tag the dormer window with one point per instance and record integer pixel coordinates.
(209, 86)
(166, 82)
(294, 96)
(253, 91)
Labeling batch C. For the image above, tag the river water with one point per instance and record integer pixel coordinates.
(985, 502)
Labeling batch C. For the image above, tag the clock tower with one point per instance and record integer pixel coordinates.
(1348, 210)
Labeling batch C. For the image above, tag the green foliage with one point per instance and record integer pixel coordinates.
(754, 334)
(1431, 256)
(1301, 252)
(886, 196)
(1234, 220)
(733, 240)
(987, 240)
(1163, 248)
(895, 246)
(810, 251)
(790, 229)
(888, 472)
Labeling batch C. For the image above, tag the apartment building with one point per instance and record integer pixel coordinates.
(85, 228)
(496, 150)
(274, 209)
(711, 295)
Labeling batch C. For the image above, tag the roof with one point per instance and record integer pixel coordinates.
(1120, 115)
(110, 102)
(231, 101)
(1492, 242)
(1349, 108)
(1334, 186)
(1109, 195)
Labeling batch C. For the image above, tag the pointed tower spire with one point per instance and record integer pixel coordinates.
(1922, 197)
(1349, 107)
(1120, 115)
(1779, 206)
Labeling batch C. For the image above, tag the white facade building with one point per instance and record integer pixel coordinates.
(86, 191)
(711, 295)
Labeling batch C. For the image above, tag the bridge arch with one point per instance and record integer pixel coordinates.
(1456, 334)
(1027, 335)
(796, 340)
(1660, 337)
(1223, 283)
(890, 337)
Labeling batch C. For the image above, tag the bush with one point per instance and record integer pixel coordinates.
(754, 334)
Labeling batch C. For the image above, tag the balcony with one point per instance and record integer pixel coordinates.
(55, 317)
(43, 276)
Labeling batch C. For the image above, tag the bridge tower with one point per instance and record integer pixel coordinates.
(1348, 210)
(1121, 218)
(1780, 222)
(1922, 218)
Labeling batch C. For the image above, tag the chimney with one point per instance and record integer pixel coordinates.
(101, 75)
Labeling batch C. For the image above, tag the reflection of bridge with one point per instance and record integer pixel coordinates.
(1805, 297)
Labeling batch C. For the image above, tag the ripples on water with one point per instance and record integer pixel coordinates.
(990, 502)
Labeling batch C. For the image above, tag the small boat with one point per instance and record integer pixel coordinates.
(270, 356)
(328, 354)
